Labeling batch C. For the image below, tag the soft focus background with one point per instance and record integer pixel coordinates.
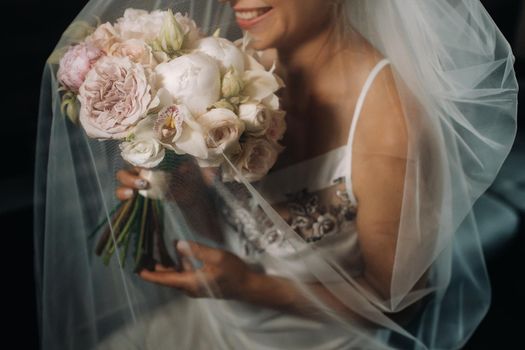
(40, 24)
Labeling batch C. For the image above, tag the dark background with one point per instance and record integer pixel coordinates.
(29, 43)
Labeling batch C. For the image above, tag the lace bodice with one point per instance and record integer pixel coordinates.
(314, 197)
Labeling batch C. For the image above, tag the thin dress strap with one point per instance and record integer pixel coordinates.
(357, 113)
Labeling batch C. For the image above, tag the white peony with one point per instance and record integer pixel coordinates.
(140, 24)
(224, 51)
(143, 150)
(193, 80)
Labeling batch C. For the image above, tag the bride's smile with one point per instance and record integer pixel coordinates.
(278, 24)
(249, 17)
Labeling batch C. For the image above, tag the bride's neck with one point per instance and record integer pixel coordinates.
(308, 58)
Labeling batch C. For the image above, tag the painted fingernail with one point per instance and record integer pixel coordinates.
(128, 193)
(141, 183)
(183, 246)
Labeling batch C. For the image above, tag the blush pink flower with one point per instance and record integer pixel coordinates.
(76, 63)
(257, 157)
(104, 37)
(277, 127)
(114, 97)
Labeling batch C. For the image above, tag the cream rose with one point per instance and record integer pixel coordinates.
(193, 80)
(277, 127)
(114, 97)
(222, 130)
(76, 63)
(224, 51)
(137, 51)
(257, 157)
(256, 117)
(144, 150)
(190, 30)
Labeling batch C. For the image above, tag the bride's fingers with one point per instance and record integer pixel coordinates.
(162, 268)
(128, 179)
(186, 264)
(124, 193)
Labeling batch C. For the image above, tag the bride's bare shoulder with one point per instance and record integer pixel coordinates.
(383, 115)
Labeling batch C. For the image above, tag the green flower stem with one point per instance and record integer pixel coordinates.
(99, 226)
(125, 231)
(116, 229)
(105, 241)
(124, 251)
(164, 256)
(140, 242)
(149, 238)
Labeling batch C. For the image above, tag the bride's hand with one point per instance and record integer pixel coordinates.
(130, 182)
(222, 274)
(186, 183)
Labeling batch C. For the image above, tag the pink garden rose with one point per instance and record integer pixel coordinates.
(76, 63)
(114, 97)
(104, 37)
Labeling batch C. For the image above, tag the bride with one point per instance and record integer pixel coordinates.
(319, 101)
(398, 117)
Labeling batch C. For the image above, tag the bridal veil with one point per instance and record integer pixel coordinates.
(456, 83)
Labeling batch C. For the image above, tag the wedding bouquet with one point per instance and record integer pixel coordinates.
(155, 84)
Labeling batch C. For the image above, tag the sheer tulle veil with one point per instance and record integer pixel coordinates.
(455, 80)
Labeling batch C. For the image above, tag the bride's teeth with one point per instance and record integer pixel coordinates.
(248, 15)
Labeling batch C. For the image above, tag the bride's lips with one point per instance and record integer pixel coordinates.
(247, 18)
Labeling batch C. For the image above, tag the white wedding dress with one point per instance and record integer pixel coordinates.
(321, 207)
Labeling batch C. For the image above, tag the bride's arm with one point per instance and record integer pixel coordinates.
(378, 179)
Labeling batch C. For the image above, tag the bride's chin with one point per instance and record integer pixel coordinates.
(261, 43)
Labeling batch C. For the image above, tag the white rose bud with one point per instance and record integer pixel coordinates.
(256, 118)
(171, 36)
(232, 84)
